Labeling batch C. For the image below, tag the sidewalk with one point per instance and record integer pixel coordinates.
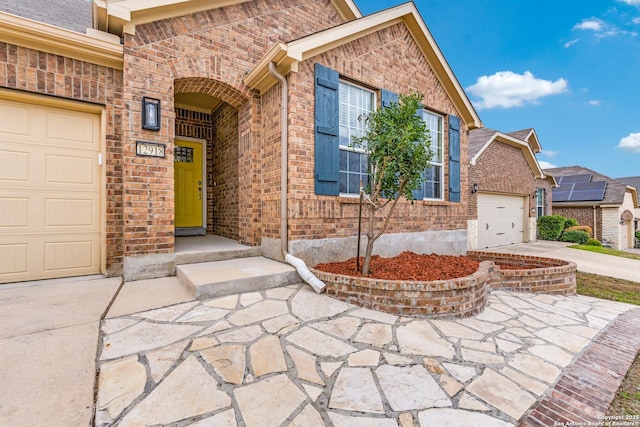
(48, 335)
(588, 262)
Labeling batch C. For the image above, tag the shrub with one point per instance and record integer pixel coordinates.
(570, 222)
(575, 236)
(584, 228)
(550, 226)
(594, 242)
(637, 234)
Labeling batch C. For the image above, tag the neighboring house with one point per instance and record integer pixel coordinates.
(633, 181)
(604, 204)
(165, 118)
(508, 189)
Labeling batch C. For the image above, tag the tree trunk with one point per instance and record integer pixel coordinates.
(371, 238)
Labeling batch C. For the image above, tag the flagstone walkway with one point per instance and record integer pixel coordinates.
(287, 356)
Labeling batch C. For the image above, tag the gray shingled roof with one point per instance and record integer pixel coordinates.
(521, 134)
(74, 15)
(632, 181)
(477, 139)
(613, 195)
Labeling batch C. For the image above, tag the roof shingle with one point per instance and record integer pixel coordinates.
(74, 15)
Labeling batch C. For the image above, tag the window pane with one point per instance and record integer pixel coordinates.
(354, 184)
(433, 183)
(354, 162)
(433, 175)
(343, 160)
(355, 104)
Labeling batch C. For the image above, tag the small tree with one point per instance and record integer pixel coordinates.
(397, 144)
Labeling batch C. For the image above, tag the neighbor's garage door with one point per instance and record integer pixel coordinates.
(500, 220)
(49, 192)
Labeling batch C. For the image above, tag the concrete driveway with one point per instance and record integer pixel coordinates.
(588, 262)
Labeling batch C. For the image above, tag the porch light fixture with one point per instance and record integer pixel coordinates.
(150, 113)
(474, 189)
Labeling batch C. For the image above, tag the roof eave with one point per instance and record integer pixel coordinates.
(315, 44)
(525, 147)
(59, 41)
(347, 9)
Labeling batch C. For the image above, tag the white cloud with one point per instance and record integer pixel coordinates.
(631, 2)
(571, 43)
(636, 20)
(506, 89)
(549, 153)
(546, 165)
(593, 24)
(630, 143)
(595, 102)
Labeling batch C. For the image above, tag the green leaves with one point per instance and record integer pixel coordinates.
(397, 143)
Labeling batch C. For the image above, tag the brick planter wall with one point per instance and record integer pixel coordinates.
(462, 297)
(540, 275)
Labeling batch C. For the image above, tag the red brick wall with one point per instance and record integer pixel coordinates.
(503, 168)
(207, 52)
(49, 74)
(367, 61)
(224, 221)
(537, 274)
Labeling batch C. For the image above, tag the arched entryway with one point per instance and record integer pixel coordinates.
(209, 159)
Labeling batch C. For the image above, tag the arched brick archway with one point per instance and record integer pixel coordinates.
(232, 165)
(214, 88)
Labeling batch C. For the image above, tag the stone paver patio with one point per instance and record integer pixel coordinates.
(287, 356)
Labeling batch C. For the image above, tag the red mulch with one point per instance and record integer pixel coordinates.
(408, 266)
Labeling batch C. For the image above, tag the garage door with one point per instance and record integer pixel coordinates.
(500, 220)
(50, 191)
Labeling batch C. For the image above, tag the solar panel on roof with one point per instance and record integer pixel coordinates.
(579, 192)
(594, 191)
(560, 196)
(572, 179)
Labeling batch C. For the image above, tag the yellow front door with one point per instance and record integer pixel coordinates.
(189, 187)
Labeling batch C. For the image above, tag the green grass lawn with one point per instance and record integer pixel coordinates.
(608, 288)
(606, 251)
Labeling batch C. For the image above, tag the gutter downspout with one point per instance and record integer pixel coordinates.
(299, 264)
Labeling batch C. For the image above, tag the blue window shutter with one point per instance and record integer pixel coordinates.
(388, 98)
(327, 130)
(454, 159)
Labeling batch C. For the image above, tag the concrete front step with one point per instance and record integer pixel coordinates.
(234, 276)
(197, 255)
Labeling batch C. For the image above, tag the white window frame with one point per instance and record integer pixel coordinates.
(439, 149)
(540, 206)
(352, 131)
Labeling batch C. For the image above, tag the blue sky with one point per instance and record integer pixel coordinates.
(570, 69)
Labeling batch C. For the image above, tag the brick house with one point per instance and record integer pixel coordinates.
(605, 204)
(167, 120)
(508, 189)
(633, 181)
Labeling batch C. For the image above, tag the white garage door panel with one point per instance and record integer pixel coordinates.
(50, 192)
(500, 220)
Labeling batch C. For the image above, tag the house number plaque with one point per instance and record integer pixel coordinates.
(150, 149)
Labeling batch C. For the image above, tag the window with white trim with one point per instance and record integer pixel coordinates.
(356, 103)
(432, 185)
(540, 202)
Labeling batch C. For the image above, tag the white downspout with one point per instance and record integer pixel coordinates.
(299, 264)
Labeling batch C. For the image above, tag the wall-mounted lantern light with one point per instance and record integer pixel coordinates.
(150, 113)
(474, 189)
